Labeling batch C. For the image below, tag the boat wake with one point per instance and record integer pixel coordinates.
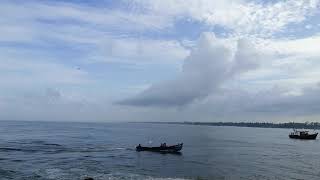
(60, 174)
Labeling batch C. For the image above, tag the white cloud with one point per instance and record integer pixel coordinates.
(101, 18)
(291, 63)
(272, 104)
(299, 46)
(284, 86)
(242, 17)
(100, 34)
(141, 51)
(212, 62)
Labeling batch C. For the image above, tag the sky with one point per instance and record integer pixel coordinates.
(160, 60)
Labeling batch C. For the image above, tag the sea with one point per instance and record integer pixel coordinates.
(106, 151)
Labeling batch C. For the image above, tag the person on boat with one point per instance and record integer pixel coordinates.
(139, 145)
(163, 145)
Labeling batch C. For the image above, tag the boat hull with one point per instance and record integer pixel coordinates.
(166, 149)
(308, 137)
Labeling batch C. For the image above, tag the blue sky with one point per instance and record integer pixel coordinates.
(160, 60)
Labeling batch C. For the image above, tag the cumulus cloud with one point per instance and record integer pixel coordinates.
(211, 63)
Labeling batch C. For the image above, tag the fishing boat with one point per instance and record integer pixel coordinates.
(302, 135)
(163, 148)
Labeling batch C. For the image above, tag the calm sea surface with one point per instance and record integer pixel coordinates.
(34, 150)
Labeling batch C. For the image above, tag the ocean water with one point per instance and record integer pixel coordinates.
(52, 150)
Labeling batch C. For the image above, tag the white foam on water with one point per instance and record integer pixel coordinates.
(165, 179)
(60, 174)
(54, 173)
(129, 176)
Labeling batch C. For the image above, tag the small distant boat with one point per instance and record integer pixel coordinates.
(163, 148)
(302, 135)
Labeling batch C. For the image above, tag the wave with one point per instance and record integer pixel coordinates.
(8, 149)
(56, 173)
(131, 176)
(48, 147)
(52, 144)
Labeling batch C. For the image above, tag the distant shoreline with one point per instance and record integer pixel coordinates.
(287, 125)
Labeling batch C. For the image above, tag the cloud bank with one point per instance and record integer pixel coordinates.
(211, 63)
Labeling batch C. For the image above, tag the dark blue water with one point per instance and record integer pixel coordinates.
(34, 150)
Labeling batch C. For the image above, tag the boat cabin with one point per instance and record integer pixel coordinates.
(301, 133)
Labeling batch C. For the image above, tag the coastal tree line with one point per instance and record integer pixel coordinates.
(296, 125)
